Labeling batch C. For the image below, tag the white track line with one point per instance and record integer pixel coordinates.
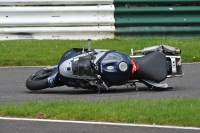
(99, 123)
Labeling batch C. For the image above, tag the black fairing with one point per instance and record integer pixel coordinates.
(83, 64)
(152, 67)
(109, 68)
(67, 55)
(70, 54)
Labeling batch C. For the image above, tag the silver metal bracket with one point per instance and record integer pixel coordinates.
(173, 63)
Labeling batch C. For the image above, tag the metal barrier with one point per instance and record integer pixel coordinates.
(55, 2)
(179, 18)
(56, 22)
(98, 19)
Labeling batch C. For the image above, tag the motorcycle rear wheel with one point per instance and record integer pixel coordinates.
(38, 80)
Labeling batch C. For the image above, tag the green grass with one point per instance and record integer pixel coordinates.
(174, 111)
(48, 52)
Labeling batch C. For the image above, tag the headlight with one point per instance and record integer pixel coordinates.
(123, 66)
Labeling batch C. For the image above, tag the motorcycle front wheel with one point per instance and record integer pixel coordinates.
(38, 80)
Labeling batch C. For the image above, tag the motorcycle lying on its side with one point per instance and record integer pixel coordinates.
(99, 69)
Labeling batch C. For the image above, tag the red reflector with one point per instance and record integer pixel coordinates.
(135, 66)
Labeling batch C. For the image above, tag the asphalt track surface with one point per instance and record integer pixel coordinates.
(42, 126)
(12, 89)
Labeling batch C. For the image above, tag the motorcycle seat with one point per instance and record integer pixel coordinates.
(152, 66)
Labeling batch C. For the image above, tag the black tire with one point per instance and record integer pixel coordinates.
(38, 80)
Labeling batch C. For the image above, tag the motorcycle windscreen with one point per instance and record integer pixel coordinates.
(115, 67)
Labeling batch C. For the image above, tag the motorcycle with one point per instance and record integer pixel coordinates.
(99, 69)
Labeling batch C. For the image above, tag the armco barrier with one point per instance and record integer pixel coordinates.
(76, 33)
(57, 16)
(179, 18)
(156, 1)
(55, 2)
(73, 20)
(98, 19)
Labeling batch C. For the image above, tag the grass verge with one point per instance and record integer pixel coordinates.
(48, 52)
(173, 111)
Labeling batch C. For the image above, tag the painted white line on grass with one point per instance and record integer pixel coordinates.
(99, 123)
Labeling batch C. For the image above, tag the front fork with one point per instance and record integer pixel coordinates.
(53, 79)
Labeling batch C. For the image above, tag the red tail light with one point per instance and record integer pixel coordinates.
(135, 66)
